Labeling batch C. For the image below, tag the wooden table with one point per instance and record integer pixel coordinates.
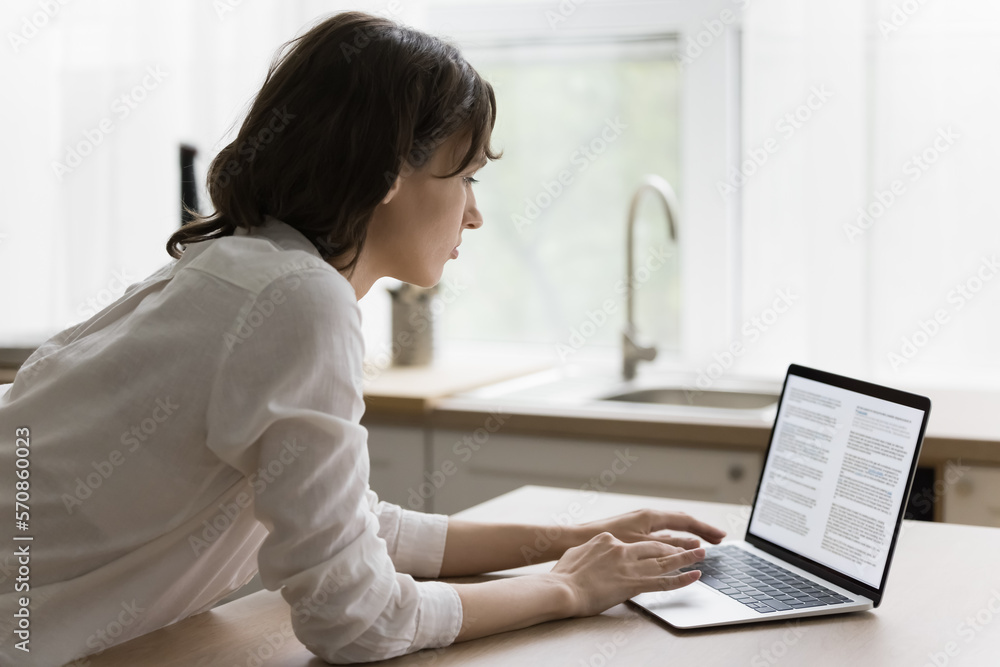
(942, 607)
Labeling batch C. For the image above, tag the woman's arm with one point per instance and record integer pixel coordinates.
(601, 564)
(474, 548)
(587, 580)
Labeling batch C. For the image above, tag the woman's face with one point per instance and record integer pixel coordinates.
(419, 224)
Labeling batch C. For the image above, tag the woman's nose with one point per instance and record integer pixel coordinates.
(473, 218)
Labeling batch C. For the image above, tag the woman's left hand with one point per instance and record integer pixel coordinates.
(644, 525)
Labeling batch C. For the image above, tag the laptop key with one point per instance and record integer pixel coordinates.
(777, 605)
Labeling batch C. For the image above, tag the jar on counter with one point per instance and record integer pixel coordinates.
(413, 324)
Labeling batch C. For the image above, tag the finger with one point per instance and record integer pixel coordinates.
(686, 522)
(653, 549)
(673, 582)
(677, 541)
(672, 562)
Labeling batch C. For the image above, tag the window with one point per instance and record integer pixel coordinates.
(581, 125)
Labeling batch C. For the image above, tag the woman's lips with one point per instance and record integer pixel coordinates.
(454, 252)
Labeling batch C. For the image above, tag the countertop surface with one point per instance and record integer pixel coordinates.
(402, 390)
(964, 424)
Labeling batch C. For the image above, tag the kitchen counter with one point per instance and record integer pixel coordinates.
(553, 437)
(964, 425)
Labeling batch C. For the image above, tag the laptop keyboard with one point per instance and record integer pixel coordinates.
(760, 584)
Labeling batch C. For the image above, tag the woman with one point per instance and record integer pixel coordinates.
(206, 424)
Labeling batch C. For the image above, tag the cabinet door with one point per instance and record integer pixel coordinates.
(466, 471)
(397, 461)
(972, 496)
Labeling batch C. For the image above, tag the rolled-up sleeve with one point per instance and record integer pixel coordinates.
(415, 540)
(285, 409)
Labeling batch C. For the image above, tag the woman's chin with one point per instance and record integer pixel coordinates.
(424, 279)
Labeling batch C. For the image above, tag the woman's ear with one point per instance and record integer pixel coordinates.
(393, 190)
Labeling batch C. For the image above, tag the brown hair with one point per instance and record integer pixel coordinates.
(347, 107)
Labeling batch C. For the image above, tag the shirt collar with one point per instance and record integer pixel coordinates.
(281, 233)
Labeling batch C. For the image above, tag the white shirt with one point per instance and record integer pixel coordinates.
(202, 426)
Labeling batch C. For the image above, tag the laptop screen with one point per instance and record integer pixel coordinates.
(837, 473)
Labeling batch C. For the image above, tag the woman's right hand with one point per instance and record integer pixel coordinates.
(605, 571)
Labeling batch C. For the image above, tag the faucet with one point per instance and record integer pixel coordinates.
(632, 351)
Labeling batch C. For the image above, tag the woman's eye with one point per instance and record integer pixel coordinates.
(470, 180)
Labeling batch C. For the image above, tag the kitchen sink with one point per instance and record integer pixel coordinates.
(726, 400)
(602, 391)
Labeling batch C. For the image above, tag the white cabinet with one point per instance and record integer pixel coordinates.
(466, 471)
(397, 455)
(972, 495)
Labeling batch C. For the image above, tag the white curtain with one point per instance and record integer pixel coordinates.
(878, 207)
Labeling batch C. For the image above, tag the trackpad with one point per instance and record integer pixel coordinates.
(696, 605)
(694, 595)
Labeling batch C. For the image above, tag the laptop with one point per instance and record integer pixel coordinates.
(826, 515)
